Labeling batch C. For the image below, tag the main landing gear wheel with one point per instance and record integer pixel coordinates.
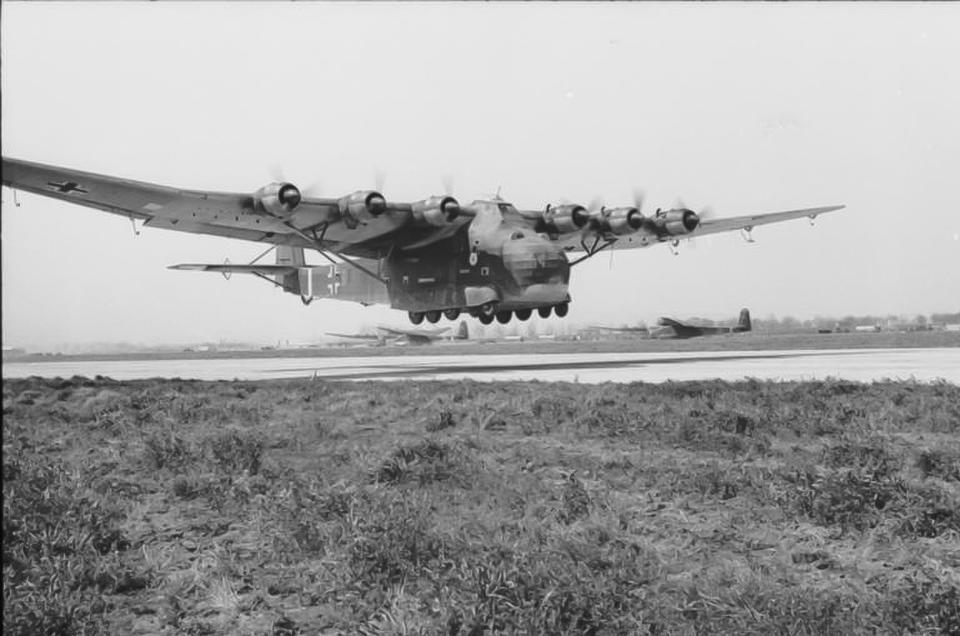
(523, 314)
(416, 317)
(503, 317)
(433, 316)
(561, 309)
(544, 311)
(485, 318)
(451, 314)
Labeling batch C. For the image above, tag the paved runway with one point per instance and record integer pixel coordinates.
(850, 364)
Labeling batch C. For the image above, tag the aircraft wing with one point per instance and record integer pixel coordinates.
(670, 322)
(713, 226)
(589, 238)
(415, 333)
(312, 223)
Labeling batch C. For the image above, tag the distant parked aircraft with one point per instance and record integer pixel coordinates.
(412, 336)
(670, 328)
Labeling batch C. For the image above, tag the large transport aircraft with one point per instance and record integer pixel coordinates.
(432, 258)
(668, 328)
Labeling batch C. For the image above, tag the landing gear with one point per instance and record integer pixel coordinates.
(561, 309)
(503, 317)
(416, 317)
(544, 311)
(433, 316)
(485, 319)
(451, 314)
(523, 314)
(487, 309)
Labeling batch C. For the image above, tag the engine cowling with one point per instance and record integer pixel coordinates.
(436, 210)
(677, 222)
(622, 221)
(564, 219)
(363, 205)
(278, 199)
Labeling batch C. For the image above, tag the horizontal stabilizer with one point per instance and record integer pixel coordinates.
(226, 268)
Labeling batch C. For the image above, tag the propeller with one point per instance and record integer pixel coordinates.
(276, 172)
(447, 181)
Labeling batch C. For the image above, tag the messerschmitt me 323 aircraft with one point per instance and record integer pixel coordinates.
(431, 258)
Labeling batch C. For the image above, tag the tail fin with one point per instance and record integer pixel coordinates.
(744, 323)
(462, 333)
(294, 257)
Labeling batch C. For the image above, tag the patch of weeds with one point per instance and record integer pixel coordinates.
(425, 462)
(929, 512)
(926, 602)
(166, 449)
(60, 546)
(394, 540)
(944, 464)
(871, 458)
(236, 451)
(851, 500)
(444, 419)
(576, 501)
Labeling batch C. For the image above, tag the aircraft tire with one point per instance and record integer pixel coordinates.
(433, 316)
(416, 317)
(485, 318)
(523, 314)
(544, 311)
(451, 314)
(561, 309)
(503, 317)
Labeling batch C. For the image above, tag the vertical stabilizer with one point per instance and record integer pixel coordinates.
(290, 256)
(744, 323)
(462, 333)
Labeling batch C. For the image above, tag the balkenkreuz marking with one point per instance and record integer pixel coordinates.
(68, 187)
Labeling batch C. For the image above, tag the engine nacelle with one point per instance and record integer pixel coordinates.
(677, 222)
(564, 219)
(278, 199)
(363, 205)
(436, 210)
(622, 221)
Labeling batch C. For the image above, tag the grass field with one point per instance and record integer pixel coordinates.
(467, 508)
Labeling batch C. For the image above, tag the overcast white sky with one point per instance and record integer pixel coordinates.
(744, 107)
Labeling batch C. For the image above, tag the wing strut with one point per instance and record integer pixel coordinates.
(593, 249)
(317, 242)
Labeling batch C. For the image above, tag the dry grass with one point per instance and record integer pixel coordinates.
(468, 508)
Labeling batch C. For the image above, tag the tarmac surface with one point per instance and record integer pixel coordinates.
(864, 365)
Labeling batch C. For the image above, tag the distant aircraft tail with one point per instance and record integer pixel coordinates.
(744, 323)
(462, 333)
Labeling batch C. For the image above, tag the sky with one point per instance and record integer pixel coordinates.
(744, 108)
